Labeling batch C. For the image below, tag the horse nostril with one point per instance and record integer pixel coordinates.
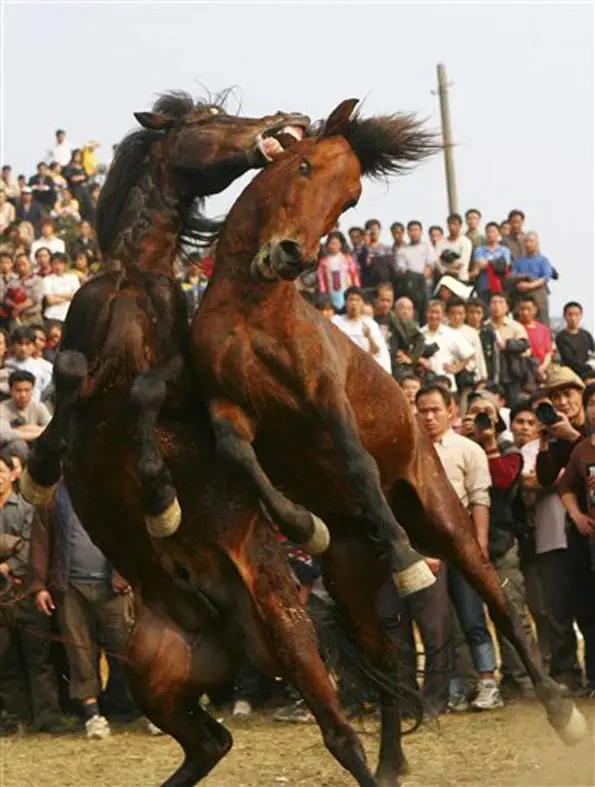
(291, 248)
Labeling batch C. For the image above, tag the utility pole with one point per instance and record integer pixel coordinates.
(451, 186)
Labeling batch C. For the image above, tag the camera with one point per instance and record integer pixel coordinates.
(449, 256)
(499, 265)
(430, 350)
(483, 421)
(546, 414)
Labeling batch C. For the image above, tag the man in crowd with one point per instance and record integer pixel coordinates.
(376, 263)
(27, 417)
(491, 263)
(59, 289)
(514, 239)
(575, 344)
(557, 442)
(466, 466)
(451, 352)
(21, 625)
(455, 315)
(414, 266)
(460, 245)
(27, 209)
(22, 342)
(513, 346)
(42, 185)
(362, 331)
(532, 273)
(403, 338)
(473, 219)
(540, 336)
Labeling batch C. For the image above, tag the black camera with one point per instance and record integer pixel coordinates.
(546, 414)
(483, 421)
(499, 265)
(430, 350)
(449, 256)
(18, 421)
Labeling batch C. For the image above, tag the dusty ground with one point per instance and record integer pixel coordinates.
(509, 748)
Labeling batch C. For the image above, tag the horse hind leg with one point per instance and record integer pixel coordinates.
(234, 433)
(43, 470)
(444, 529)
(160, 503)
(161, 672)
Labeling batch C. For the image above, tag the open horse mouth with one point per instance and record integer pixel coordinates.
(274, 141)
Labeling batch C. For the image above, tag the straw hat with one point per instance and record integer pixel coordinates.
(562, 377)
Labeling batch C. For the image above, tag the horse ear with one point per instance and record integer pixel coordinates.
(339, 116)
(154, 121)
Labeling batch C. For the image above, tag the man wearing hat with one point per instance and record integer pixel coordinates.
(557, 441)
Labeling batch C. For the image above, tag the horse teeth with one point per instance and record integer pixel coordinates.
(295, 131)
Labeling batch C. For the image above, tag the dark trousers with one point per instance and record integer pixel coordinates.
(582, 588)
(431, 612)
(556, 582)
(32, 694)
(536, 602)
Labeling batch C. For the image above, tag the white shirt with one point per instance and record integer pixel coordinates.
(53, 244)
(466, 467)
(61, 153)
(354, 329)
(67, 284)
(464, 248)
(478, 363)
(453, 348)
(39, 368)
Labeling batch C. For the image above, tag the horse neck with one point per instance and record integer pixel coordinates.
(151, 221)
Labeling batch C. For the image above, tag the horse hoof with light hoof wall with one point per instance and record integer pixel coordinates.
(321, 538)
(416, 577)
(165, 524)
(575, 728)
(35, 493)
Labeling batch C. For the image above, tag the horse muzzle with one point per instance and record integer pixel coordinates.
(283, 259)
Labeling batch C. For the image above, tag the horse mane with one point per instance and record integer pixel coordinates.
(389, 144)
(130, 165)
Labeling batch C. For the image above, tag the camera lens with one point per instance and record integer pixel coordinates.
(546, 414)
(483, 421)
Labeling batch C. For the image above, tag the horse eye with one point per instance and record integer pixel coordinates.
(305, 168)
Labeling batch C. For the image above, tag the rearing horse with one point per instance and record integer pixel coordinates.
(297, 406)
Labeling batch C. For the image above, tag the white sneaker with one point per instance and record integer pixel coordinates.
(242, 708)
(153, 729)
(488, 696)
(97, 727)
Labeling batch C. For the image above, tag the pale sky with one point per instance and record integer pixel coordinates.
(522, 99)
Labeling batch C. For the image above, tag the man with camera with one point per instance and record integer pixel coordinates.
(455, 250)
(485, 426)
(447, 352)
(577, 491)
(491, 263)
(514, 362)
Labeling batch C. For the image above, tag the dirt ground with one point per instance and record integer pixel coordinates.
(510, 748)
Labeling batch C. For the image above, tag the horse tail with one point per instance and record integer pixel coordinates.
(359, 677)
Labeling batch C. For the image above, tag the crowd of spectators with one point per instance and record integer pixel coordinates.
(461, 321)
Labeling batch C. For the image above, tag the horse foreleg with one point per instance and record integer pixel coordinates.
(234, 433)
(43, 471)
(160, 672)
(353, 575)
(160, 503)
(410, 572)
(295, 647)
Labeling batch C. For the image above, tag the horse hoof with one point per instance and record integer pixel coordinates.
(411, 580)
(165, 524)
(321, 538)
(575, 728)
(35, 493)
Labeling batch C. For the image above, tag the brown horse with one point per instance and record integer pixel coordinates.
(219, 588)
(293, 400)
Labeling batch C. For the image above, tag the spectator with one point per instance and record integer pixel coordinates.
(10, 184)
(75, 174)
(24, 294)
(505, 465)
(61, 153)
(577, 490)
(476, 367)
(80, 267)
(48, 240)
(25, 416)
(362, 331)
(575, 344)
(475, 314)
(27, 209)
(417, 256)
(513, 239)
(337, 270)
(57, 176)
(460, 245)
(66, 210)
(59, 289)
(505, 229)
(324, 305)
(436, 235)
(540, 336)
(54, 337)
(4, 371)
(43, 188)
(43, 261)
(377, 263)
(22, 359)
(532, 273)
(403, 338)
(7, 211)
(491, 263)
(466, 466)
(410, 384)
(89, 205)
(7, 276)
(85, 241)
(473, 218)
(21, 623)
(356, 238)
(513, 344)
(451, 351)
(404, 309)
(397, 230)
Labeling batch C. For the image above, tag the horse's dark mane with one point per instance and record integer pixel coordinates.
(130, 164)
(389, 144)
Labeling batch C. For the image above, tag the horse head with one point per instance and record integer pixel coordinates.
(318, 178)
